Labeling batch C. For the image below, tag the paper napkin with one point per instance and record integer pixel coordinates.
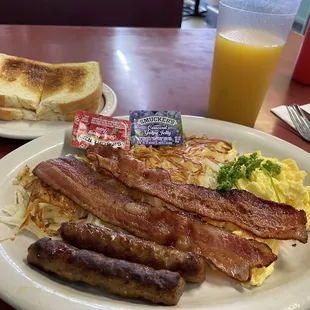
(282, 113)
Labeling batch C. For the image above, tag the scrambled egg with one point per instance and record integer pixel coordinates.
(290, 187)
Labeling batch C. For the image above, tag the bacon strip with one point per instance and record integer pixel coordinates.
(229, 253)
(263, 218)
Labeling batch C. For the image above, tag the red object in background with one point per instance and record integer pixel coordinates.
(302, 68)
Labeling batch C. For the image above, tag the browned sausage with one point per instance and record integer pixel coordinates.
(124, 246)
(119, 277)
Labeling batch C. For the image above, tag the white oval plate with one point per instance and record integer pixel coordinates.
(29, 130)
(28, 289)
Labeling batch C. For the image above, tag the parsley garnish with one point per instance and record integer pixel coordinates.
(272, 168)
(242, 168)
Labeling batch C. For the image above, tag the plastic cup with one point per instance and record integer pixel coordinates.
(250, 37)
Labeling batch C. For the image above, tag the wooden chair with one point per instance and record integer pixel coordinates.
(122, 13)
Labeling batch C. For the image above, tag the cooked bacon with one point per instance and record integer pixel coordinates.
(103, 198)
(263, 218)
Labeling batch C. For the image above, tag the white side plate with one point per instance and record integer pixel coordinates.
(29, 130)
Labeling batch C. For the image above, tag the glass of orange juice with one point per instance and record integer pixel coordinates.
(250, 37)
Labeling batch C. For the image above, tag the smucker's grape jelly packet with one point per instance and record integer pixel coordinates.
(89, 129)
(156, 127)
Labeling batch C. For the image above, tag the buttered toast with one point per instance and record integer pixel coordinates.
(35, 90)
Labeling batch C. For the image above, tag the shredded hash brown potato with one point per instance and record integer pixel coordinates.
(197, 161)
(40, 209)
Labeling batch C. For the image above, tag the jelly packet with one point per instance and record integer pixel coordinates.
(156, 127)
(89, 129)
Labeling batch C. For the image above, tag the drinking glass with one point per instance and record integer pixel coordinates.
(250, 38)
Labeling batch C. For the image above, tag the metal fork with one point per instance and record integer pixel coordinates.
(300, 120)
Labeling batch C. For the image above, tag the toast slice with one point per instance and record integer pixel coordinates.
(47, 91)
(70, 87)
(10, 114)
(51, 116)
(21, 82)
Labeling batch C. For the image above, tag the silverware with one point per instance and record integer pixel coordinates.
(300, 120)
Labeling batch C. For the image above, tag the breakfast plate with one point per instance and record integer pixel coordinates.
(28, 130)
(26, 288)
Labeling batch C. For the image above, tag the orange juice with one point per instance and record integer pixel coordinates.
(244, 63)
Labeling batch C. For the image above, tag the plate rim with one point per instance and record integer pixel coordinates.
(107, 110)
(58, 139)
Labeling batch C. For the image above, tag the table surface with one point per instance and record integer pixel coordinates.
(152, 69)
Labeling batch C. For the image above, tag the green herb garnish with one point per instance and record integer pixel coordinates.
(242, 168)
(272, 170)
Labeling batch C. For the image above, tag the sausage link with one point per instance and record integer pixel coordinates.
(127, 247)
(119, 277)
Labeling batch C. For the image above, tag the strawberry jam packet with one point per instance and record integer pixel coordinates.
(89, 129)
(156, 127)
